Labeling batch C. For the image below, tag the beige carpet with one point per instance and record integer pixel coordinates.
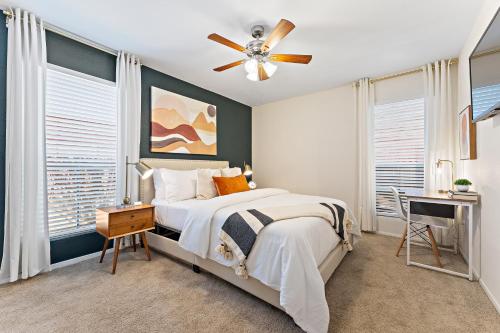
(372, 291)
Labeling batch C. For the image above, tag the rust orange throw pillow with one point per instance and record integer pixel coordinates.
(228, 185)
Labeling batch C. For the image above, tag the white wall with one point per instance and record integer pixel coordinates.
(307, 144)
(485, 171)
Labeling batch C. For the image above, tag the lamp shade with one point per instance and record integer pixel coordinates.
(144, 170)
(247, 170)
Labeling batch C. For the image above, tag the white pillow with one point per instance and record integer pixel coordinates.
(179, 184)
(205, 187)
(230, 172)
(159, 184)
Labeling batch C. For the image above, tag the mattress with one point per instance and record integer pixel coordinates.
(173, 215)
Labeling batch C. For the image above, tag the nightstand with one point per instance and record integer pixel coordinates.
(120, 221)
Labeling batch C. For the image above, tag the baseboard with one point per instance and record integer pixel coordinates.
(488, 293)
(78, 259)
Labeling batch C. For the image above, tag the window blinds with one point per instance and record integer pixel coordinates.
(81, 148)
(485, 97)
(399, 150)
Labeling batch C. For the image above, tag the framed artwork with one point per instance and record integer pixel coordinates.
(182, 125)
(467, 134)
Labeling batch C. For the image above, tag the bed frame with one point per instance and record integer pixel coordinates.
(169, 245)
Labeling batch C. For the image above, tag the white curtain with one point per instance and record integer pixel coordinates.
(440, 130)
(364, 96)
(128, 79)
(26, 249)
(440, 125)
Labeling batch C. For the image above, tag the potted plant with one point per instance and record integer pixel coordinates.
(462, 184)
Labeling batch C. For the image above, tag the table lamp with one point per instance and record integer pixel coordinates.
(247, 172)
(144, 170)
(439, 165)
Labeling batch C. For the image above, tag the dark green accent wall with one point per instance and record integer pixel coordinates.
(68, 53)
(234, 120)
(3, 91)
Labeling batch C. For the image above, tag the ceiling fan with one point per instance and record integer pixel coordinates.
(259, 65)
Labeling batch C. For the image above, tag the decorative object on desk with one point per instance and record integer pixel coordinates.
(467, 134)
(252, 185)
(182, 125)
(439, 166)
(462, 184)
(458, 195)
(144, 170)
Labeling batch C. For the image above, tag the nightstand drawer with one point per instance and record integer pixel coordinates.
(131, 226)
(126, 218)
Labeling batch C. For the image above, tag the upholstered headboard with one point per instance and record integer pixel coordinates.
(147, 189)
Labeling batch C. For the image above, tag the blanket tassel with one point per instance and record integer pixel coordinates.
(241, 271)
(222, 249)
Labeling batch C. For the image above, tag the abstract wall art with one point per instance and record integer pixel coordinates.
(467, 134)
(182, 125)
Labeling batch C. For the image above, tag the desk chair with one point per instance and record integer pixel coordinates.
(419, 225)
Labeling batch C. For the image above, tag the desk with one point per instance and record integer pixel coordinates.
(415, 195)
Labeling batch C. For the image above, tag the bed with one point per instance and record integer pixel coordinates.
(187, 230)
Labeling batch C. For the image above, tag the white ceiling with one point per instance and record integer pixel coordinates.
(348, 39)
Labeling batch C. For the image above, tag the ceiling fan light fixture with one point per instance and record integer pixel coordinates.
(260, 64)
(253, 76)
(251, 66)
(270, 68)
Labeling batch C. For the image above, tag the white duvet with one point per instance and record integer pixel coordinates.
(285, 256)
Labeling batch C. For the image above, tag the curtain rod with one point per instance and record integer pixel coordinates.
(408, 72)
(10, 14)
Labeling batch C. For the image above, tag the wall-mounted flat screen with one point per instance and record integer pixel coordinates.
(485, 73)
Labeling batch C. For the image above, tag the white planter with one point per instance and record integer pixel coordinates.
(463, 188)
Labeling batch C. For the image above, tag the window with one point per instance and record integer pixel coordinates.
(81, 148)
(399, 150)
(485, 97)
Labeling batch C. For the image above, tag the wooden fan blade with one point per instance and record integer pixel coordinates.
(280, 31)
(295, 58)
(262, 73)
(225, 41)
(231, 65)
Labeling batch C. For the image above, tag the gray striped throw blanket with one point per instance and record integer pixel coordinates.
(239, 232)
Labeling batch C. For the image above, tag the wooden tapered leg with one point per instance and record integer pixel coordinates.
(145, 242)
(435, 249)
(104, 248)
(403, 239)
(132, 238)
(115, 255)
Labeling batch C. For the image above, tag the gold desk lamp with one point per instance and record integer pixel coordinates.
(439, 164)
